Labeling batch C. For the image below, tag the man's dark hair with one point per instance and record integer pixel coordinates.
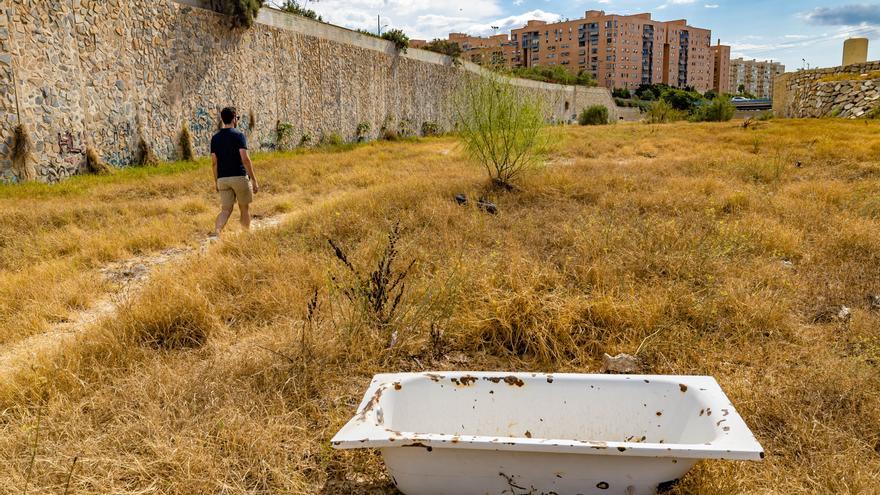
(228, 114)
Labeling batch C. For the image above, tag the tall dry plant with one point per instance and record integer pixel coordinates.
(377, 294)
(187, 153)
(145, 155)
(94, 164)
(501, 127)
(22, 153)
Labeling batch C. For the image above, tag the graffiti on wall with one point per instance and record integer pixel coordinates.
(67, 144)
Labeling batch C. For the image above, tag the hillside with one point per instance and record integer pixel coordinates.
(702, 248)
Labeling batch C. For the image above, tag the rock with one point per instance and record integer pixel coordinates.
(844, 315)
(488, 207)
(461, 199)
(874, 302)
(621, 363)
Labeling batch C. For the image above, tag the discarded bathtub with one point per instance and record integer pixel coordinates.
(460, 433)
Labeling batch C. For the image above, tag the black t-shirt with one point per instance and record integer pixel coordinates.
(226, 144)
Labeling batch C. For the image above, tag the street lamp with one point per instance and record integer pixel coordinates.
(379, 26)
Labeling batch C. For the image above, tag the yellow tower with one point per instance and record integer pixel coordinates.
(855, 51)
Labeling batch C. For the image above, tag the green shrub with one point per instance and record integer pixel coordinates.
(283, 133)
(765, 116)
(363, 131)
(622, 93)
(332, 139)
(398, 37)
(681, 99)
(430, 129)
(305, 140)
(650, 92)
(406, 128)
(719, 110)
(293, 7)
(243, 12)
(873, 114)
(444, 47)
(594, 115)
(661, 112)
(390, 134)
(501, 127)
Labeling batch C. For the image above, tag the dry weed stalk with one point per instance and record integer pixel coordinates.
(94, 164)
(380, 292)
(22, 153)
(145, 155)
(187, 153)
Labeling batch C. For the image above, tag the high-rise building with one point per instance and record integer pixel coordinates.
(754, 77)
(721, 74)
(620, 51)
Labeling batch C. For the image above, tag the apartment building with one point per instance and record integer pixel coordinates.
(495, 50)
(756, 77)
(620, 51)
(721, 75)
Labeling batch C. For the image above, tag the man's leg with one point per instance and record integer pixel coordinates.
(222, 218)
(245, 215)
(227, 202)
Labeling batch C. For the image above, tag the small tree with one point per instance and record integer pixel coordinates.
(501, 127)
(594, 115)
(398, 37)
(243, 12)
(719, 110)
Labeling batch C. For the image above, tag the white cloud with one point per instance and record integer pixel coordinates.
(426, 19)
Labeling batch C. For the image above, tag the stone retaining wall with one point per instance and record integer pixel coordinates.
(105, 73)
(804, 94)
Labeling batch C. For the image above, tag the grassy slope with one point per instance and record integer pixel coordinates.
(702, 247)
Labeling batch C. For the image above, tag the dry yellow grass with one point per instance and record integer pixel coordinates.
(706, 248)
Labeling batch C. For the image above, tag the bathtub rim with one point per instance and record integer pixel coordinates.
(366, 429)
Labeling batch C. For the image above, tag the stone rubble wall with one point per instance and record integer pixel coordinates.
(106, 73)
(803, 94)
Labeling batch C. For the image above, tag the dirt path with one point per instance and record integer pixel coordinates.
(126, 278)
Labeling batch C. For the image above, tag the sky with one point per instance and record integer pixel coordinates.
(794, 32)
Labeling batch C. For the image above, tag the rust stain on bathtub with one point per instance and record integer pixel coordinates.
(510, 380)
(465, 381)
(374, 401)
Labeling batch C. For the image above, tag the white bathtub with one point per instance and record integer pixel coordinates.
(459, 433)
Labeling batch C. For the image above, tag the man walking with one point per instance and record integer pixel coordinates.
(233, 171)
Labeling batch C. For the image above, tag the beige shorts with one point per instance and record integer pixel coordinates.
(235, 189)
